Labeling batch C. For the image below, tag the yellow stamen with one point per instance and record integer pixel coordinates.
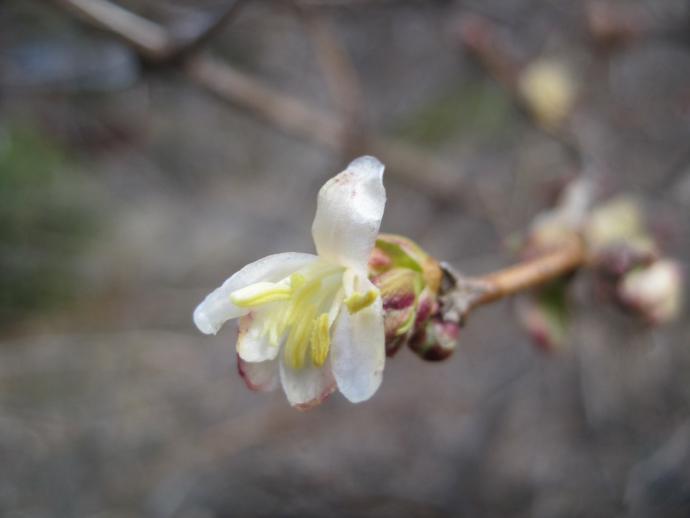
(297, 280)
(301, 313)
(320, 340)
(358, 301)
(299, 301)
(260, 293)
(298, 341)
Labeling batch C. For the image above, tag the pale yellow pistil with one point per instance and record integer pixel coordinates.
(306, 304)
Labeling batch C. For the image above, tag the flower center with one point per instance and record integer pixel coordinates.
(303, 307)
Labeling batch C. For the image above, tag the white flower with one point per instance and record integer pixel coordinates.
(313, 321)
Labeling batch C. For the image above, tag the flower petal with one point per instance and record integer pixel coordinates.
(217, 307)
(261, 376)
(308, 386)
(358, 352)
(253, 345)
(348, 213)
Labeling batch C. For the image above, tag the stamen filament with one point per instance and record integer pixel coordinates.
(260, 293)
(320, 340)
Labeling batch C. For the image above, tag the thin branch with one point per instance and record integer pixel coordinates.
(532, 273)
(482, 39)
(468, 293)
(291, 115)
(196, 43)
(286, 112)
(294, 117)
(149, 39)
(338, 70)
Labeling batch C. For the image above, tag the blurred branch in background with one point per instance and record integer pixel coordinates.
(339, 73)
(294, 116)
(541, 88)
(217, 24)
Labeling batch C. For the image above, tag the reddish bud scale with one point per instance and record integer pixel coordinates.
(436, 340)
(409, 280)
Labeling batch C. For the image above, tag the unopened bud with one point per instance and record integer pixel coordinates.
(545, 316)
(562, 224)
(409, 281)
(400, 288)
(615, 223)
(436, 340)
(548, 89)
(654, 291)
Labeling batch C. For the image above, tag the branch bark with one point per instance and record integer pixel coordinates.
(533, 273)
(468, 293)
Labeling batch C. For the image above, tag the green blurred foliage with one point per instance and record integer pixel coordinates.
(479, 109)
(47, 217)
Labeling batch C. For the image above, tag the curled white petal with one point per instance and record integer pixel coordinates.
(261, 376)
(217, 307)
(348, 214)
(253, 344)
(358, 352)
(308, 386)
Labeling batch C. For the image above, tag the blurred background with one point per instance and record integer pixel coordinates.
(139, 169)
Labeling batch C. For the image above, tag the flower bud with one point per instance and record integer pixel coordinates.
(548, 90)
(654, 291)
(545, 316)
(436, 339)
(562, 224)
(399, 292)
(617, 222)
(409, 280)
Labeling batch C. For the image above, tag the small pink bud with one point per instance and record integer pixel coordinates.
(544, 316)
(408, 279)
(436, 340)
(399, 293)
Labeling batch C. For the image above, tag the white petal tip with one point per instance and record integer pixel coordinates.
(367, 165)
(360, 396)
(203, 323)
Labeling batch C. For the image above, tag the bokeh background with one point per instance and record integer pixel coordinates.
(128, 191)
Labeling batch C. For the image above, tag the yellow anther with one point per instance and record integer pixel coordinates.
(297, 317)
(358, 301)
(320, 340)
(297, 280)
(260, 293)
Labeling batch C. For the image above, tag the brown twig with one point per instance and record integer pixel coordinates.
(291, 115)
(338, 71)
(532, 273)
(215, 26)
(286, 112)
(467, 294)
(149, 39)
(483, 39)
